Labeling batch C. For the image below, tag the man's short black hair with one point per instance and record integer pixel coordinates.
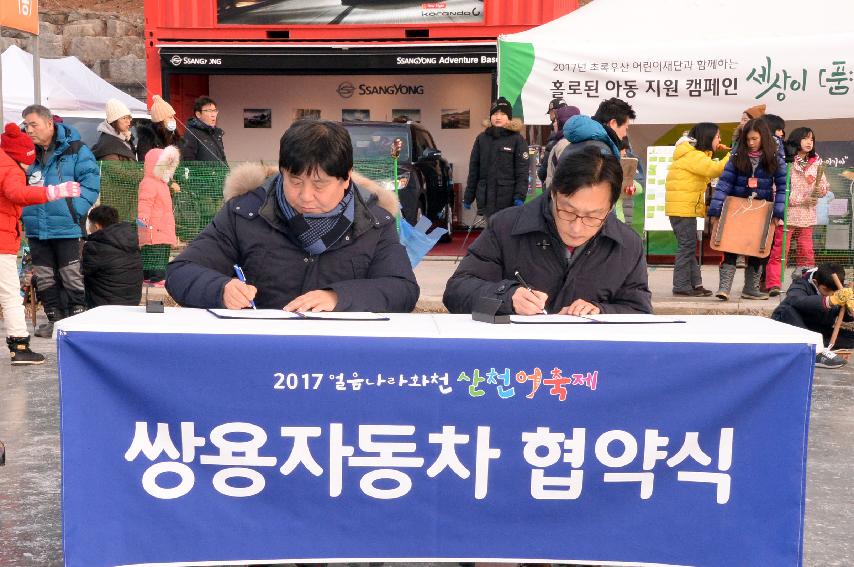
(775, 123)
(311, 144)
(614, 109)
(103, 216)
(202, 102)
(824, 274)
(585, 167)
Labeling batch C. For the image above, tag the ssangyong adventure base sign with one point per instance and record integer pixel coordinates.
(326, 12)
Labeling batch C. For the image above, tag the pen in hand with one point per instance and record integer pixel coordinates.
(524, 283)
(239, 271)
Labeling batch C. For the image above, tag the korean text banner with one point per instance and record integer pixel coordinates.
(674, 64)
(20, 15)
(226, 448)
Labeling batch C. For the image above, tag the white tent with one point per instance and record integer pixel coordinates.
(679, 61)
(67, 85)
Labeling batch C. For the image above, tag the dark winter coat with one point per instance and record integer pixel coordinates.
(149, 138)
(110, 147)
(805, 299)
(769, 187)
(367, 268)
(62, 218)
(112, 266)
(498, 169)
(202, 142)
(609, 270)
(542, 168)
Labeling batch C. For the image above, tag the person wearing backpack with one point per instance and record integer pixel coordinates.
(55, 229)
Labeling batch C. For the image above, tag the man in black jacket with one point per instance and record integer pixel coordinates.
(203, 140)
(307, 238)
(577, 258)
(811, 303)
(498, 167)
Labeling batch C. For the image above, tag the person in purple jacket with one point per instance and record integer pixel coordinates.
(756, 168)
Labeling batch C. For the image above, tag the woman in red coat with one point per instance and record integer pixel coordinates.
(17, 153)
(154, 211)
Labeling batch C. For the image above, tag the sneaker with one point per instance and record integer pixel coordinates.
(829, 360)
(687, 293)
(774, 291)
(703, 292)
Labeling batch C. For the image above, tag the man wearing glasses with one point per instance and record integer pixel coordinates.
(564, 252)
(203, 139)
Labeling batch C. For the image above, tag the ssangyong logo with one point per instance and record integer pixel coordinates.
(346, 89)
(176, 60)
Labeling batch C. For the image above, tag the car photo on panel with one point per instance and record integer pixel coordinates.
(330, 12)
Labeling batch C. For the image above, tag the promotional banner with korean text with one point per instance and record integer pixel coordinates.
(674, 64)
(190, 448)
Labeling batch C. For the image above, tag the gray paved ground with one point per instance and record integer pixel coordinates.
(30, 515)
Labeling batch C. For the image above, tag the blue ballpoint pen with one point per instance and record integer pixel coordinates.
(239, 271)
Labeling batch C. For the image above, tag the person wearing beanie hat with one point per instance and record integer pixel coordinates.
(161, 110)
(17, 153)
(754, 112)
(498, 167)
(751, 113)
(162, 132)
(557, 107)
(502, 105)
(562, 116)
(115, 142)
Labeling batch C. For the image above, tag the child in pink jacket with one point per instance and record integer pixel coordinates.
(807, 185)
(154, 213)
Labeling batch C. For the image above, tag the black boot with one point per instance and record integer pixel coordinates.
(45, 330)
(19, 349)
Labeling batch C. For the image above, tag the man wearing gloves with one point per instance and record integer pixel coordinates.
(17, 153)
(498, 168)
(54, 230)
(307, 237)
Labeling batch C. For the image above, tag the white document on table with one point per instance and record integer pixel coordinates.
(271, 314)
(611, 319)
(549, 319)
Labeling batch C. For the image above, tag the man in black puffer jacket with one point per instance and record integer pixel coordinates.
(308, 238)
(111, 262)
(498, 168)
(203, 139)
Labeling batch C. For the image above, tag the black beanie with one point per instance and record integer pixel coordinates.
(503, 105)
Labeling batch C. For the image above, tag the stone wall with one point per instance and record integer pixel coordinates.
(112, 45)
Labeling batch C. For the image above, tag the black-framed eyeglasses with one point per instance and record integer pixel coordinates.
(211, 110)
(568, 216)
